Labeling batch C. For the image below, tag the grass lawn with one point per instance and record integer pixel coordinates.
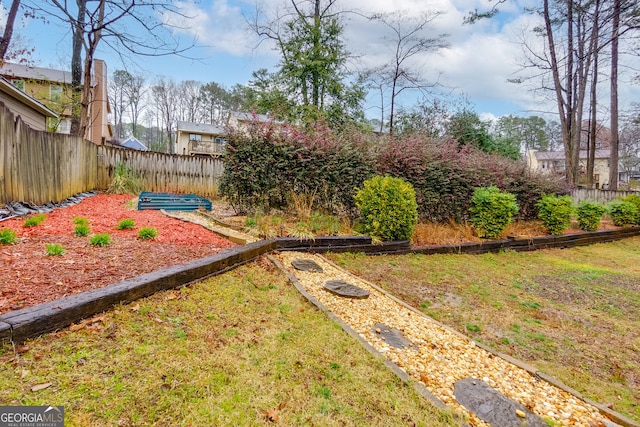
(572, 313)
(240, 349)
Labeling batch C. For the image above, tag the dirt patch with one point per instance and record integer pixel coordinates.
(30, 277)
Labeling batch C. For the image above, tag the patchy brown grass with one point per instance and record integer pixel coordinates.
(240, 349)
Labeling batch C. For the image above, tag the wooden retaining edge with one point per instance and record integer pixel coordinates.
(20, 325)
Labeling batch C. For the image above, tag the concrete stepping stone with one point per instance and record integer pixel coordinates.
(392, 336)
(344, 289)
(306, 265)
(493, 407)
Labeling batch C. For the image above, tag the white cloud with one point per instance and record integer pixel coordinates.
(220, 26)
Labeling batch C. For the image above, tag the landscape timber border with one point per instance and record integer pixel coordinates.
(20, 325)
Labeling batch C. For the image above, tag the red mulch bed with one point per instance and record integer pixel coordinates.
(28, 276)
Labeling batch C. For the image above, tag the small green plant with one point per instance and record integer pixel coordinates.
(102, 239)
(555, 213)
(54, 249)
(125, 180)
(34, 221)
(7, 236)
(147, 233)
(81, 230)
(492, 211)
(589, 215)
(325, 224)
(622, 213)
(388, 208)
(80, 221)
(472, 327)
(126, 224)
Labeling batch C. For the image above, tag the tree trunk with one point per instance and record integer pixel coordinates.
(76, 68)
(8, 29)
(613, 161)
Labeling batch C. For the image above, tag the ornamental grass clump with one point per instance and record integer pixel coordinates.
(81, 230)
(555, 212)
(34, 221)
(126, 224)
(7, 236)
(54, 249)
(388, 208)
(147, 233)
(102, 239)
(589, 215)
(622, 213)
(492, 211)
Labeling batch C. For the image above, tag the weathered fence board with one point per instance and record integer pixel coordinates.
(600, 196)
(41, 167)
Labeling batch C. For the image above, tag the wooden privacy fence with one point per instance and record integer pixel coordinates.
(162, 172)
(600, 196)
(41, 167)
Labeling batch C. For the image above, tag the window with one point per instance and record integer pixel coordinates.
(195, 137)
(64, 126)
(18, 84)
(55, 93)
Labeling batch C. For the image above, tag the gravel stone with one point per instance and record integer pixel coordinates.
(443, 357)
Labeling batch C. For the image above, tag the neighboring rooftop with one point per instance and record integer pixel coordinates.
(559, 155)
(22, 71)
(201, 128)
(134, 143)
(11, 90)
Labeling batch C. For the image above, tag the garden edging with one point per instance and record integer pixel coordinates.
(30, 322)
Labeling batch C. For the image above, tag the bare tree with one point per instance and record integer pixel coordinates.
(117, 99)
(165, 93)
(407, 41)
(137, 27)
(190, 108)
(134, 92)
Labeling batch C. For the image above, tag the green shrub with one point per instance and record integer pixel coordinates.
(126, 224)
(81, 230)
(7, 236)
(34, 221)
(100, 239)
(635, 200)
(589, 215)
(388, 208)
(80, 221)
(491, 211)
(54, 249)
(622, 213)
(147, 233)
(555, 212)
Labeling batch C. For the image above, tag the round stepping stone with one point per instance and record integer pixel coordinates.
(344, 289)
(392, 336)
(306, 265)
(493, 407)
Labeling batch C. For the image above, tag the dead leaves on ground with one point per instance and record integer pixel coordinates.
(273, 415)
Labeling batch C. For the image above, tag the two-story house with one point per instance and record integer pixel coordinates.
(53, 88)
(198, 139)
(554, 162)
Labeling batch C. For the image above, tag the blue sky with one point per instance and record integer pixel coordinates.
(478, 63)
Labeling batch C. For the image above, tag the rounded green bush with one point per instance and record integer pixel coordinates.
(388, 208)
(126, 224)
(147, 233)
(622, 213)
(491, 211)
(555, 212)
(589, 215)
(102, 239)
(635, 200)
(7, 236)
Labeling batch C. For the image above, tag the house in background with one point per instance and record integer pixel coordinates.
(198, 139)
(34, 113)
(133, 143)
(241, 121)
(53, 88)
(554, 162)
